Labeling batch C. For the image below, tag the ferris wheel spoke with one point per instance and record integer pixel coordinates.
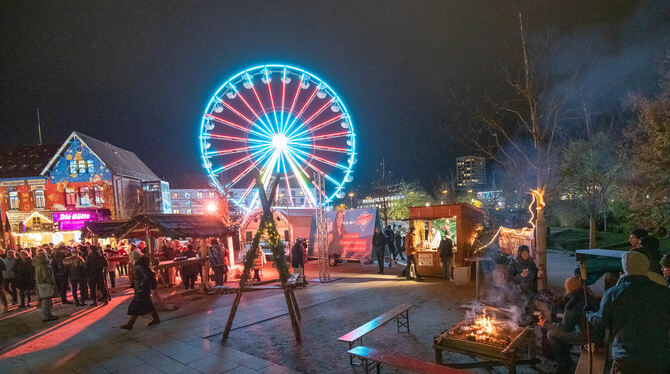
(240, 175)
(283, 94)
(268, 135)
(320, 125)
(272, 100)
(309, 101)
(330, 136)
(231, 151)
(301, 178)
(328, 177)
(322, 160)
(254, 112)
(225, 137)
(324, 148)
(295, 99)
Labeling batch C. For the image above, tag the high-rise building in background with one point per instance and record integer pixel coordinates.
(470, 173)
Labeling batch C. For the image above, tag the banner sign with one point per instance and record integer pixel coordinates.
(350, 233)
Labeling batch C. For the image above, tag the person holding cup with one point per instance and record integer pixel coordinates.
(523, 275)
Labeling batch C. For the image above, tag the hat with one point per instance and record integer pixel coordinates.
(635, 263)
(572, 284)
(665, 261)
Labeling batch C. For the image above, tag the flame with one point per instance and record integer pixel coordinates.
(538, 200)
(485, 325)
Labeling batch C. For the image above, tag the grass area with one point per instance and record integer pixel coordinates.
(573, 238)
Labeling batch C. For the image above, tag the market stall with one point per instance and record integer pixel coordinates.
(459, 221)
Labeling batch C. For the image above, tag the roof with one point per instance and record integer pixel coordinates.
(101, 229)
(118, 160)
(23, 161)
(175, 226)
(446, 210)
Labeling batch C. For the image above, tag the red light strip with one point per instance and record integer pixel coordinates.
(231, 151)
(295, 98)
(325, 123)
(238, 113)
(249, 106)
(225, 122)
(326, 148)
(237, 162)
(242, 174)
(259, 100)
(317, 112)
(227, 137)
(328, 136)
(309, 101)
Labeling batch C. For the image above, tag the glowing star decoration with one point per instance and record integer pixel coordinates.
(277, 120)
(538, 201)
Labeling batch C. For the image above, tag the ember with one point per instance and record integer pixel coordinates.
(485, 328)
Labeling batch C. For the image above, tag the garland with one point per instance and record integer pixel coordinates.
(277, 251)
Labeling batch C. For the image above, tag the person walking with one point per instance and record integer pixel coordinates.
(298, 260)
(25, 277)
(398, 244)
(446, 254)
(189, 273)
(96, 264)
(60, 273)
(45, 284)
(217, 261)
(637, 313)
(111, 265)
(259, 261)
(389, 235)
(76, 268)
(379, 244)
(122, 266)
(410, 251)
(143, 281)
(8, 276)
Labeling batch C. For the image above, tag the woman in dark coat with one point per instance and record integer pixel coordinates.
(25, 277)
(143, 280)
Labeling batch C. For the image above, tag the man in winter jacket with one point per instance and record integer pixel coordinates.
(60, 273)
(96, 264)
(378, 244)
(446, 254)
(298, 259)
(3, 298)
(259, 261)
(637, 311)
(217, 260)
(410, 251)
(390, 243)
(398, 244)
(8, 276)
(76, 268)
(45, 284)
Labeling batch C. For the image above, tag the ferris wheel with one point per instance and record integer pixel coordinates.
(277, 120)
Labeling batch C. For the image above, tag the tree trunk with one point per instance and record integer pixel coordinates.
(541, 246)
(593, 229)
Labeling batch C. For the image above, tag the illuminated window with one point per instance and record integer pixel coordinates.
(70, 198)
(37, 221)
(211, 194)
(82, 167)
(187, 203)
(73, 167)
(14, 200)
(187, 195)
(188, 211)
(175, 211)
(98, 196)
(198, 195)
(84, 198)
(39, 199)
(91, 166)
(175, 195)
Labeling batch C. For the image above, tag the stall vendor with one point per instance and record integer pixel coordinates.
(434, 239)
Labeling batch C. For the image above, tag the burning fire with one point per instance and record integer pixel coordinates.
(484, 325)
(485, 328)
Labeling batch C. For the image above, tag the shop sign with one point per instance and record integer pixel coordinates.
(425, 259)
(12, 183)
(36, 182)
(75, 220)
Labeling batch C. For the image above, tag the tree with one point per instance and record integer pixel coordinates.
(409, 196)
(648, 151)
(382, 188)
(590, 168)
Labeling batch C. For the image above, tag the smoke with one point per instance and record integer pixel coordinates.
(607, 63)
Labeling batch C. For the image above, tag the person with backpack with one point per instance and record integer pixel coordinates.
(446, 254)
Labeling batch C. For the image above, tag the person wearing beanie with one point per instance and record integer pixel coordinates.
(637, 312)
(665, 268)
(649, 247)
(571, 330)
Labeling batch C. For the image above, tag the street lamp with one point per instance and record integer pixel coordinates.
(351, 200)
(444, 196)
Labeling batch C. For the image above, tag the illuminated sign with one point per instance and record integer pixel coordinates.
(75, 220)
(75, 216)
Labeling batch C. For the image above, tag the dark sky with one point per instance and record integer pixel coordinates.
(138, 74)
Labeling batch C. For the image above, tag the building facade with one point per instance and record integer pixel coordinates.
(470, 173)
(194, 200)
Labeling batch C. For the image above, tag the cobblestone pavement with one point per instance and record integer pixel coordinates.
(88, 340)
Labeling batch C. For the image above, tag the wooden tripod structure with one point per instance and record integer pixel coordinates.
(267, 224)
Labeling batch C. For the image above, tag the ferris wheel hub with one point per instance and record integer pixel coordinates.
(280, 142)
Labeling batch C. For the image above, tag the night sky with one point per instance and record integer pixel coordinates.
(139, 74)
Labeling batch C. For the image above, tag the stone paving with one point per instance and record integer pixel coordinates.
(88, 340)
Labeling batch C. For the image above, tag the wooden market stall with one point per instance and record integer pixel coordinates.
(432, 221)
(150, 227)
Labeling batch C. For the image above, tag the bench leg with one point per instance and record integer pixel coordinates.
(351, 345)
(402, 320)
(438, 356)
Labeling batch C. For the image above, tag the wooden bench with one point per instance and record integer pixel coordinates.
(400, 313)
(599, 361)
(373, 358)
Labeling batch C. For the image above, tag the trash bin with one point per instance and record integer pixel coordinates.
(461, 275)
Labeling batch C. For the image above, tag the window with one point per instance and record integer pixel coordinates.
(249, 236)
(70, 199)
(37, 221)
(211, 194)
(198, 195)
(39, 199)
(175, 211)
(91, 166)
(188, 211)
(187, 203)
(73, 167)
(175, 195)
(84, 198)
(82, 167)
(98, 197)
(14, 200)
(187, 195)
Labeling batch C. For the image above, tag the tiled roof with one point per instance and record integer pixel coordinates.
(25, 160)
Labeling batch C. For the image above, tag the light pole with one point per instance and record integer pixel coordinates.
(351, 200)
(444, 195)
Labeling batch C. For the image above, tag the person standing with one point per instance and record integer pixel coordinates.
(524, 274)
(259, 261)
(111, 265)
(25, 277)
(378, 244)
(446, 254)
(298, 259)
(60, 273)
(96, 264)
(410, 251)
(398, 244)
(122, 266)
(45, 284)
(3, 298)
(8, 276)
(141, 304)
(389, 235)
(637, 313)
(189, 273)
(77, 270)
(649, 247)
(217, 261)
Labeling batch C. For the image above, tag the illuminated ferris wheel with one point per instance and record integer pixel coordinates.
(279, 120)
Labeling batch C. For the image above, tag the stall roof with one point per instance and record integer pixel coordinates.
(175, 226)
(442, 211)
(101, 229)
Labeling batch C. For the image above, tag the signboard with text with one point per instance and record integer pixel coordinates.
(350, 233)
(75, 219)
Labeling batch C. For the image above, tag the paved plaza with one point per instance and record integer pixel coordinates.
(89, 340)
